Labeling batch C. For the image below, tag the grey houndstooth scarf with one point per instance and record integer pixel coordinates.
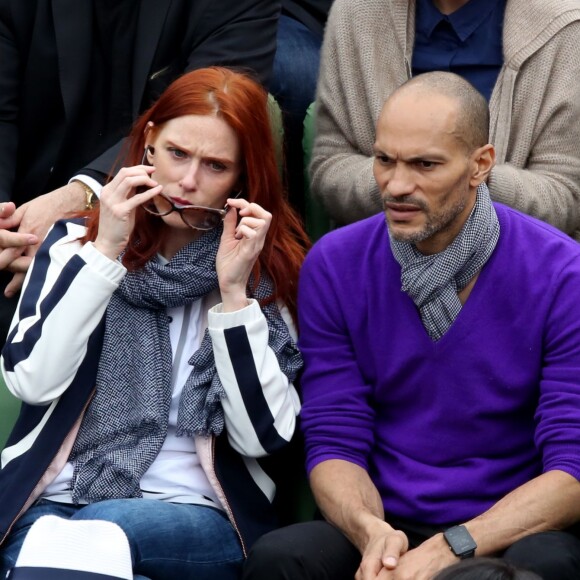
(434, 281)
(126, 423)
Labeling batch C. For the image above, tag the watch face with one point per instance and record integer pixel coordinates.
(460, 541)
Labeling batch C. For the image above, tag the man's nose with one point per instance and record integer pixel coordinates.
(400, 181)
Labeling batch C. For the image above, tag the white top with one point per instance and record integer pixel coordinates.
(176, 474)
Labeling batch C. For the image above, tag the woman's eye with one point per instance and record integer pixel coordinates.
(177, 153)
(216, 165)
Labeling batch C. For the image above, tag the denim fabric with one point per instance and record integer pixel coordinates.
(295, 66)
(167, 540)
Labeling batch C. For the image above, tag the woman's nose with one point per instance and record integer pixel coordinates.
(189, 180)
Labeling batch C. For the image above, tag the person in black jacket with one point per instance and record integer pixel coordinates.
(73, 77)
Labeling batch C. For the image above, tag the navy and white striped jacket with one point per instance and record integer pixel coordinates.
(50, 362)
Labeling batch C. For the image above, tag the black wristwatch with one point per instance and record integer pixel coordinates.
(460, 542)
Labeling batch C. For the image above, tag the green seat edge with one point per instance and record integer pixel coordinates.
(317, 219)
(9, 409)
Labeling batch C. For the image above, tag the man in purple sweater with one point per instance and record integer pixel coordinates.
(442, 383)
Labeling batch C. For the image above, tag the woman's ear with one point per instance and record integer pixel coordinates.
(483, 159)
(148, 133)
(148, 127)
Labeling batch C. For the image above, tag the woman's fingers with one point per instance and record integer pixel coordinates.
(127, 181)
(243, 231)
(117, 207)
(142, 197)
(254, 222)
(230, 221)
(249, 209)
(133, 170)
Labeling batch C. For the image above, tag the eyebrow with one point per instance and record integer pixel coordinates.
(427, 156)
(225, 160)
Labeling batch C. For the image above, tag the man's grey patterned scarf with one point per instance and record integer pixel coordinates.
(126, 422)
(434, 281)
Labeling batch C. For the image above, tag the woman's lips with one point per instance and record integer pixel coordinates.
(180, 201)
(400, 212)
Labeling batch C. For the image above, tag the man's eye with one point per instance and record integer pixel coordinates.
(383, 159)
(426, 164)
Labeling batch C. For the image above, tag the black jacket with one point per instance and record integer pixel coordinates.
(45, 53)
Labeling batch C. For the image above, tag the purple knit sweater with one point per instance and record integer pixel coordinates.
(444, 428)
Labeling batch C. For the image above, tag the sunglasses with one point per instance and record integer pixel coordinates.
(197, 217)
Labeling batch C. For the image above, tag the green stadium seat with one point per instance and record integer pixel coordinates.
(9, 409)
(318, 222)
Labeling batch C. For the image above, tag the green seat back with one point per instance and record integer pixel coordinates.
(277, 126)
(9, 409)
(317, 220)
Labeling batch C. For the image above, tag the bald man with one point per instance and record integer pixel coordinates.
(442, 383)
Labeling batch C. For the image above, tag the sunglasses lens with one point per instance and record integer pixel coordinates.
(159, 205)
(202, 219)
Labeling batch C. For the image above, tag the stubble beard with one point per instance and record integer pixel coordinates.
(435, 222)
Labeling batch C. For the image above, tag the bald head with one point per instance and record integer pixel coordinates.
(472, 112)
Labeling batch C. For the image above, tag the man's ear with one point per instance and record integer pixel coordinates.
(483, 160)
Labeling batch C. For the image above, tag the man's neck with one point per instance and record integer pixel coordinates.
(449, 6)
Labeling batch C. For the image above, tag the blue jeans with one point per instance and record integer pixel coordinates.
(296, 63)
(167, 540)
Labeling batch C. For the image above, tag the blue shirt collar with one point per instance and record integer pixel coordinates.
(463, 21)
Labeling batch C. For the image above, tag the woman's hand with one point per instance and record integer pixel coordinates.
(117, 207)
(239, 249)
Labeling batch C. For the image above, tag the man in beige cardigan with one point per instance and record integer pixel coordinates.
(368, 51)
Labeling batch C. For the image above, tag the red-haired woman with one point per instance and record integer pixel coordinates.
(153, 346)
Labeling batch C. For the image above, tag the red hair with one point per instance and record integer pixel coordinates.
(243, 105)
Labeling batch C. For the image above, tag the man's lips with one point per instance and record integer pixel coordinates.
(402, 211)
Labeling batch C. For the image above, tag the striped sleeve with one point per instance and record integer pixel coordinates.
(261, 404)
(65, 295)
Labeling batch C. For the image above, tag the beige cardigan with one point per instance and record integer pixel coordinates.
(535, 106)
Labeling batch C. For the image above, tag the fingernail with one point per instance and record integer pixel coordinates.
(390, 561)
(31, 239)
